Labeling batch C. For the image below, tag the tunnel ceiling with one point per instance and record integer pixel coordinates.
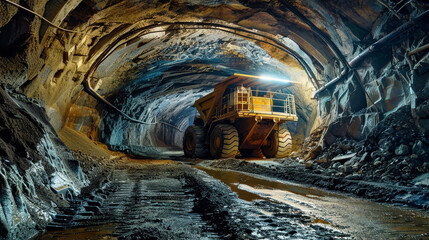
(119, 31)
(272, 19)
(135, 53)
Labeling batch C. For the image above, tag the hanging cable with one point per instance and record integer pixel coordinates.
(97, 96)
(41, 17)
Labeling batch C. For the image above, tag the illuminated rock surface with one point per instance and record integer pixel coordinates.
(153, 59)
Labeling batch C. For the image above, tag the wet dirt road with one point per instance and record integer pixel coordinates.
(134, 204)
(165, 200)
(176, 201)
(359, 218)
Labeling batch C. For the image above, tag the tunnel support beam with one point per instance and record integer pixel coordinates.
(408, 26)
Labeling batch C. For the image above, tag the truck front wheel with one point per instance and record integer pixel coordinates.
(279, 144)
(224, 141)
(193, 142)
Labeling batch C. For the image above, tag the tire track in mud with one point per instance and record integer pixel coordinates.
(134, 205)
(178, 202)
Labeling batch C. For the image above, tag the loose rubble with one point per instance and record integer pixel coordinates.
(395, 151)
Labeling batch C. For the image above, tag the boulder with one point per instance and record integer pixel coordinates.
(329, 139)
(352, 161)
(355, 166)
(336, 165)
(355, 128)
(338, 128)
(402, 150)
(322, 159)
(376, 154)
(377, 163)
(347, 169)
(350, 165)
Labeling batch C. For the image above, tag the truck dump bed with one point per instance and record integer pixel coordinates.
(242, 96)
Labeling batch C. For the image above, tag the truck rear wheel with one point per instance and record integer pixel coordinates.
(224, 141)
(279, 144)
(193, 142)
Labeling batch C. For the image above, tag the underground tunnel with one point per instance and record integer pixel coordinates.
(124, 119)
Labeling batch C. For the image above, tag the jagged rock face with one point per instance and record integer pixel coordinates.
(37, 171)
(153, 58)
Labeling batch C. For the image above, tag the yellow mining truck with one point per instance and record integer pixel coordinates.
(242, 115)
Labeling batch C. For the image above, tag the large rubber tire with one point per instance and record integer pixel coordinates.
(193, 142)
(224, 141)
(279, 144)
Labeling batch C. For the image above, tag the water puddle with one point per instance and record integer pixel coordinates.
(360, 218)
(93, 232)
(319, 221)
(237, 179)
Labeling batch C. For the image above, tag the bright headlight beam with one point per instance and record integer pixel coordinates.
(266, 78)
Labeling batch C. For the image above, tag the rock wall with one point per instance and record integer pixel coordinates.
(118, 45)
(389, 79)
(50, 64)
(38, 174)
(377, 130)
(84, 116)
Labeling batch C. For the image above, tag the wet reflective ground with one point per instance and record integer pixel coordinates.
(158, 197)
(175, 201)
(362, 219)
(153, 203)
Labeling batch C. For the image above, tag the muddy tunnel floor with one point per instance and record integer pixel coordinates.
(175, 201)
(134, 203)
(162, 199)
(360, 218)
(132, 198)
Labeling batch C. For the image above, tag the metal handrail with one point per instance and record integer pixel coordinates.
(242, 99)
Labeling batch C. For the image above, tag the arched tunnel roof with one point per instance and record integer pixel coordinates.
(103, 27)
(136, 53)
